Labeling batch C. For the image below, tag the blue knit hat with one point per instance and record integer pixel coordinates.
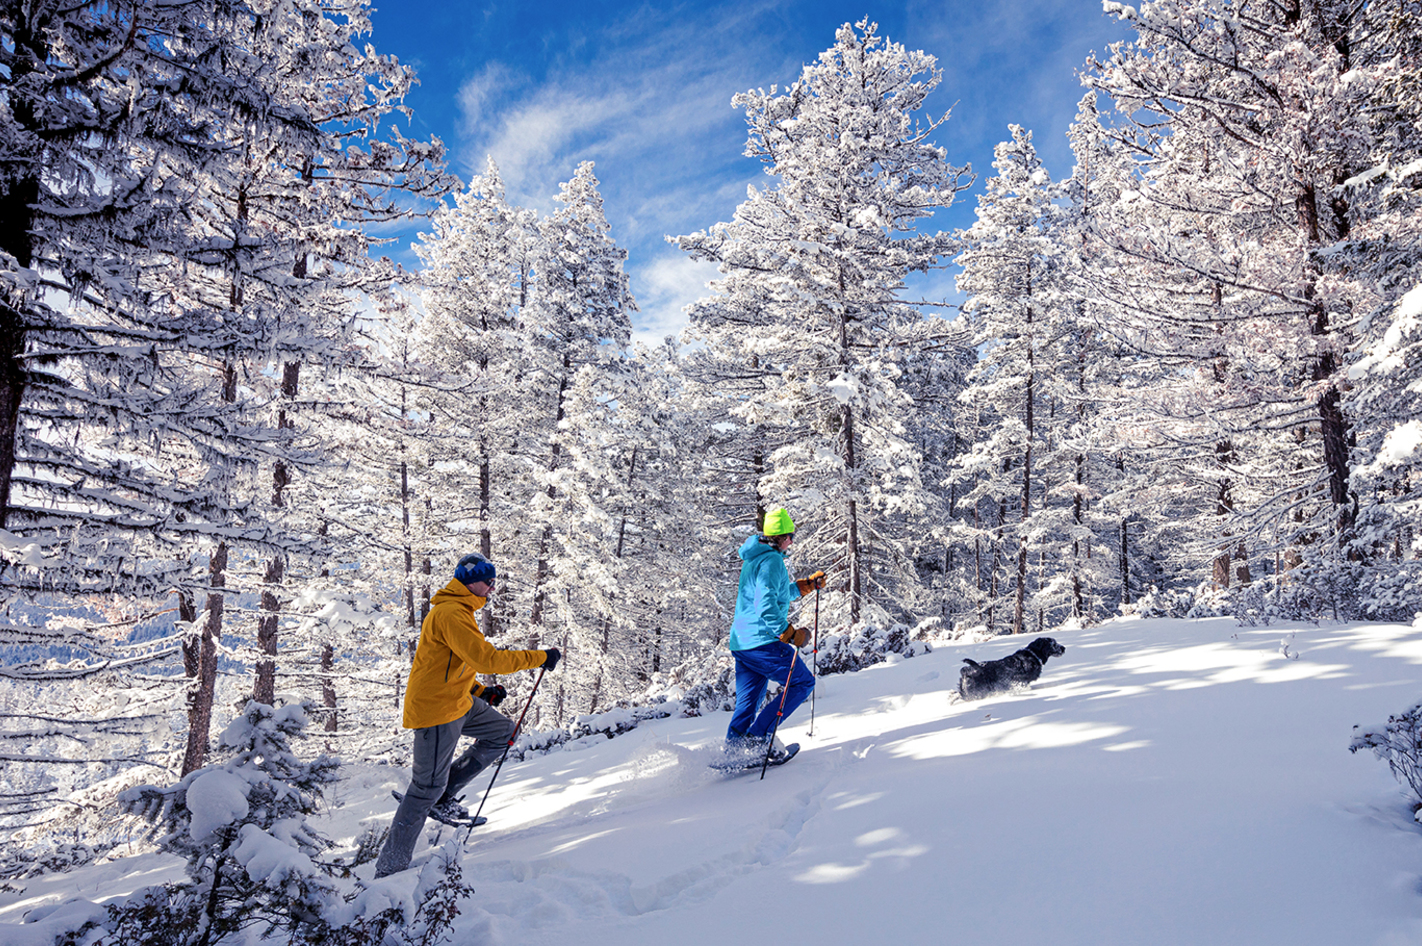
(474, 567)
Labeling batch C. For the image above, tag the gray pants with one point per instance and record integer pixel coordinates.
(436, 776)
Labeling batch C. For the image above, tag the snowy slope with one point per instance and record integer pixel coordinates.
(1165, 782)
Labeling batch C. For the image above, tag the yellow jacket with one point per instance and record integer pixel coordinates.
(450, 652)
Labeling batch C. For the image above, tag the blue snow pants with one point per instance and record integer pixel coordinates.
(755, 668)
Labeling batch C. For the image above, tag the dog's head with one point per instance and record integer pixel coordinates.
(1044, 647)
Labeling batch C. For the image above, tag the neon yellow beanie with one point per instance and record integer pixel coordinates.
(778, 522)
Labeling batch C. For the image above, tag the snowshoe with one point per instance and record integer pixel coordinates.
(451, 813)
(745, 755)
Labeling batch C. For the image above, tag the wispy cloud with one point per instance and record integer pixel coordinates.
(650, 115)
(647, 99)
(646, 96)
(664, 288)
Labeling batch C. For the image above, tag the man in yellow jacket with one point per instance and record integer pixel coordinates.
(440, 706)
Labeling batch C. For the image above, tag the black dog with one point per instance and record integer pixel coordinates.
(1016, 670)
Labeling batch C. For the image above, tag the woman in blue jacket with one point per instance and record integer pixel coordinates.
(757, 641)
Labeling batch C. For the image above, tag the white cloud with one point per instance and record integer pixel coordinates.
(648, 100)
(480, 95)
(663, 290)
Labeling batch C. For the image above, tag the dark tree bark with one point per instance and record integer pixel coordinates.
(264, 687)
(204, 686)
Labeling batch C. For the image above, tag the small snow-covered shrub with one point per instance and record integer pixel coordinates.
(254, 862)
(51, 857)
(614, 722)
(1161, 604)
(169, 916)
(1399, 744)
(1207, 601)
(368, 845)
(865, 645)
(702, 685)
(241, 825)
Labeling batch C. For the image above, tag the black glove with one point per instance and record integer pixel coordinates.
(551, 658)
(494, 695)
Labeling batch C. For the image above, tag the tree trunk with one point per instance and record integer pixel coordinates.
(204, 686)
(192, 640)
(1019, 611)
(409, 550)
(541, 572)
(264, 686)
(486, 538)
(16, 224)
(427, 569)
(328, 687)
(853, 553)
(405, 535)
(1332, 424)
(17, 238)
(1125, 562)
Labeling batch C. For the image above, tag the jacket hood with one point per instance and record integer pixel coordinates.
(753, 548)
(457, 592)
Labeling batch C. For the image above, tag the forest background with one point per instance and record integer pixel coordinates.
(242, 440)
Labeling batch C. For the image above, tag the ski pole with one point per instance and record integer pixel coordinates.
(815, 659)
(780, 710)
(512, 736)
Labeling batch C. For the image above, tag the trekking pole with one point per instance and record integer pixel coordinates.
(512, 736)
(780, 710)
(815, 658)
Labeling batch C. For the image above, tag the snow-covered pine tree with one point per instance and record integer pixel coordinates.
(1030, 473)
(1105, 560)
(523, 310)
(198, 201)
(241, 825)
(476, 280)
(1011, 280)
(377, 418)
(632, 533)
(934, 377)
(254, 860)
(1389, 456)
(575, 333)
(1383, 402)
(1248, 121)
(808, 314)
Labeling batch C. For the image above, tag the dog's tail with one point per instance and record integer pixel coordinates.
(972, 663)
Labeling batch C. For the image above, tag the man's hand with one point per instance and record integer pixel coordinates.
(795, 635)
(814, 583)
(494, 695)
(553, 655)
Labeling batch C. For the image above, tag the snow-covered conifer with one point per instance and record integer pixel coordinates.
(1012, 279)
(807, 315)
(1247, 124)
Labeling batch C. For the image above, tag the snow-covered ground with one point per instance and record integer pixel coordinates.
(1164, 782)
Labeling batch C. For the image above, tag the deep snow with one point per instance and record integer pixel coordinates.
(1165, 782)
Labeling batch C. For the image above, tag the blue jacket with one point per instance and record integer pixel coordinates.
(763, 599)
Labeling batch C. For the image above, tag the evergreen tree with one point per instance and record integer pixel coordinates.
(808, 315)
(1014, 297)
(1247, 122)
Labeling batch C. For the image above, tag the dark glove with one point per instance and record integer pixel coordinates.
(550, 661)
(795, 635)
(814, 583)
(494, 695)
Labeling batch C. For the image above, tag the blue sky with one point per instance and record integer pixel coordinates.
(644, 91)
